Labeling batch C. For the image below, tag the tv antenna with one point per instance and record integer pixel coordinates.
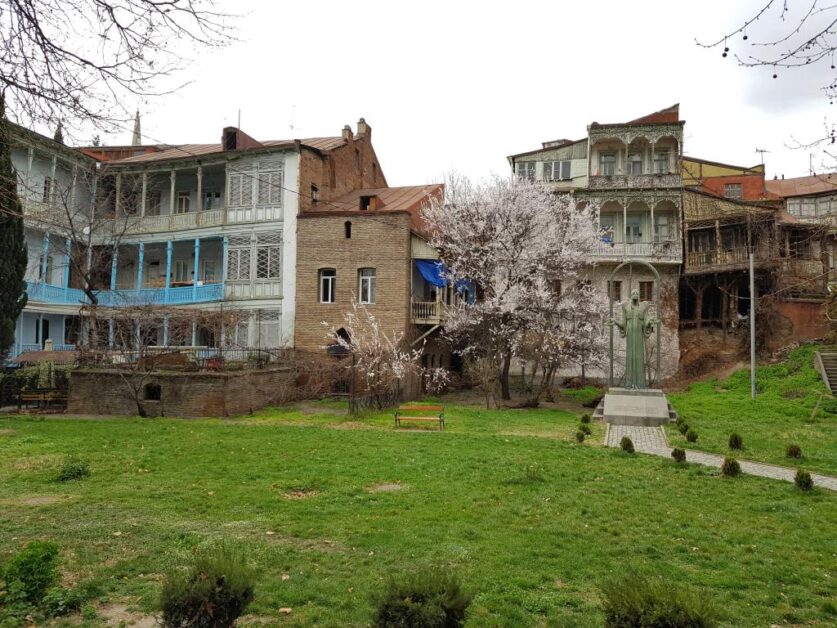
(293, 115)
(761, 152)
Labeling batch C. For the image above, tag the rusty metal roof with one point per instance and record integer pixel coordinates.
(803, 186)
(59, 357)
(405, 198)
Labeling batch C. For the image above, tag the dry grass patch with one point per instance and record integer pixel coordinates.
(386, 487)
(5, 432)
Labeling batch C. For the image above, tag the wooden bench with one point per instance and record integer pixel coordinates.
(40, 397)
(438, 414)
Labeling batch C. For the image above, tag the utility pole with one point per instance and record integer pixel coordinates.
(752, 330)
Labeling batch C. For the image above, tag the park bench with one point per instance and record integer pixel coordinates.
(420, 413)
(41, 397)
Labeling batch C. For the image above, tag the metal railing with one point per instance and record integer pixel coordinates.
(632, 181)
(47, 293)
(668, 250)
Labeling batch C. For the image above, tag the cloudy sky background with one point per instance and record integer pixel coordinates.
(461, 85)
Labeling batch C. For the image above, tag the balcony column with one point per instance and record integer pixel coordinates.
(200, 188)
(653, 226)
(194, 333)
(625, 223)
(173, 178)
(73, 190)
(144, 193)
(651, 171)
(52, 186)
(45, 259)
(169, 247)
(110, 333)
(196, 269)
(65, 283)
(117, 202)
(140, 264)
(114, 263)
(224, 259)
(717, 241)
(30, 158)
(165, 331)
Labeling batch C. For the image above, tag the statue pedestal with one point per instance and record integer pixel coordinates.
(631, 406)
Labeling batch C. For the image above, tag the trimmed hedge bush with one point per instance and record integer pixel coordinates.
(793, 451)
(73, 469)
(585, 418)
(730, 468)
(585, 428)
(735, 441)
(212, 593)
(678, 454)
(639, 602)
(691, 436)
(683, 427)
(580, 436)
(803, 480)
(427, 598)
(627, 445)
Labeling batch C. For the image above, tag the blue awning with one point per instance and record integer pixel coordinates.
(432, 271)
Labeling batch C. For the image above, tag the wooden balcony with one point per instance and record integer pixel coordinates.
(635, 181)
(426, 312)
(666, 251)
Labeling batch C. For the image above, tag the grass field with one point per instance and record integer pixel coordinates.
(337, 505)
(780, 415)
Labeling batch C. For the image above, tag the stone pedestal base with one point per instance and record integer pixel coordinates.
(628, 406)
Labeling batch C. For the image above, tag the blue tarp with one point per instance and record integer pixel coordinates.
(432, 271)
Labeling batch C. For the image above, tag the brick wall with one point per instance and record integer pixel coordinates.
(99, 391)
(380, 241)
(339, 172)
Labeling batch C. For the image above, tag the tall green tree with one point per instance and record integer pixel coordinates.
(12, 242)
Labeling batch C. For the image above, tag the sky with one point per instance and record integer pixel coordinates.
(461, 85)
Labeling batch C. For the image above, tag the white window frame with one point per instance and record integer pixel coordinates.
(663, 231)
(213, 199)
(184, 202)
(328, 285)
(662, 163)
(607, 159)
(366, 285)
(209, 272)
(734, 191)
(633, 159)
(181, 271)
(273, 255)
(557, 170)
(525, 170)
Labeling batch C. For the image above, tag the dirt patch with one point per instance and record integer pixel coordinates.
(386, 487)
(301, 494)
(35, 500)
(317, 545)
(36, 463)
(7, 432)
(119, 615)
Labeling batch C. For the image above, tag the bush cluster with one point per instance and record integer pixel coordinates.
(735, 441)
(427, 598)
(585, 428)
(585, 418)
(730, 468)
(212, 593)
(639, 602)
(793, 451)
(580, 436)
(803, 480)
(683, 427)
(627, 445)
(678, 454)
(73, 469)
(691, 436)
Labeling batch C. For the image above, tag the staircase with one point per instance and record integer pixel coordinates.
(826, 364)
(598, 413)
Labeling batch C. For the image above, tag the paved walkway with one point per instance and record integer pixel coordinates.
(652, 440)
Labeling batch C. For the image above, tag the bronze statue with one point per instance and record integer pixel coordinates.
(636, 325)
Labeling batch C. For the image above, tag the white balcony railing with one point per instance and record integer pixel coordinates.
(426, 312)
(631, 181)
(668, 250)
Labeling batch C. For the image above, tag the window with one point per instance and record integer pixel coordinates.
(152, 202)
(733, 190)
(347, 229)
(241, 190)
(269, 262)
(328, 284)
(184, 200)
(152, 392)
(367, 202)
(607, 227)
(238, 264)
(607, 164)
(635, 163)
(807, 207)
(616, 290)
(45, 276)
(663, 227)
(557, 170)
(315, 194)
(47, 190)
(366, 285)
(181, 271)
(212, 200)
(209, 269)
(269, 328)
(633, 228)
(646, 290)
(525, 170)
(661, 163)
(793, 206)
(270, 188)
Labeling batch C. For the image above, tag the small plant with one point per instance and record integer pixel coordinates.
(691, 436)
(585, 418)
(212, 593)
(793, 451)
(730, 468)
(426, 598)
(683, 427)
(803, 480)
(580, 436)
(586, 429)
(678, 454)
(33, 571)
(679, 421)
(638, 601)
(59, 601)
(735, 441)
(534, 473)
(88, 612)
(627, 445)
(73, 469)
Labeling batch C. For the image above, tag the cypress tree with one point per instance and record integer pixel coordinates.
(12, 242)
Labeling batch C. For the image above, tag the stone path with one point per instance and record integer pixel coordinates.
(652, 440)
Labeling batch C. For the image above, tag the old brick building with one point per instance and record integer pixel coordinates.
(360, 247)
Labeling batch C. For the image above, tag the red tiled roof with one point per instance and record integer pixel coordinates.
(185, 151)
(803, 186)
(669, 115)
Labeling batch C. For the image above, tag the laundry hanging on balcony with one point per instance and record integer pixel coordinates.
(434, 271)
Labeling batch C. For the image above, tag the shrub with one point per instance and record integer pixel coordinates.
(213, 592)
(679, 421)
(678, 454)
(427, 598)
(33, 570)
(586, 429)
(534, 473)
(803, 480)
(793, 451)
(585, 418)
(60, 601)
(579, 436)
(627, 445)
(73, 469)
(735, 441)
(683, 427)
(730, 468)
(636, 601)
(691, 436)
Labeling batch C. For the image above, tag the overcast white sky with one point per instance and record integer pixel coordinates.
(461, 85)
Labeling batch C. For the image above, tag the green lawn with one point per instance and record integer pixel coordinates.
(780, 415)
(298, 491)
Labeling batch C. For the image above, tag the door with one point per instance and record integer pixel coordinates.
(633, 229)
(44, 330)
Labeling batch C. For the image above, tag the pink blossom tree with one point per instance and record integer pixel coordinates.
(525, 247)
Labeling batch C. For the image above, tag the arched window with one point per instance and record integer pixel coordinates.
(328, 285)
(347, 229)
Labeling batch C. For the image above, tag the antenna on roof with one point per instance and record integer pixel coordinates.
(293, 115)
(238, 126)
(761, 152)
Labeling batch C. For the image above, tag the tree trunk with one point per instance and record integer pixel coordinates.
(505, 391)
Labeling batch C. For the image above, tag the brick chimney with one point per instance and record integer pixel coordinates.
(347, 134)
(363, 129)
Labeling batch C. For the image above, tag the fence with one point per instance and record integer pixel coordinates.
(182, 358)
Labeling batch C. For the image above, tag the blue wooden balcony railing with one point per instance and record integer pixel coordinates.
(47, 293)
